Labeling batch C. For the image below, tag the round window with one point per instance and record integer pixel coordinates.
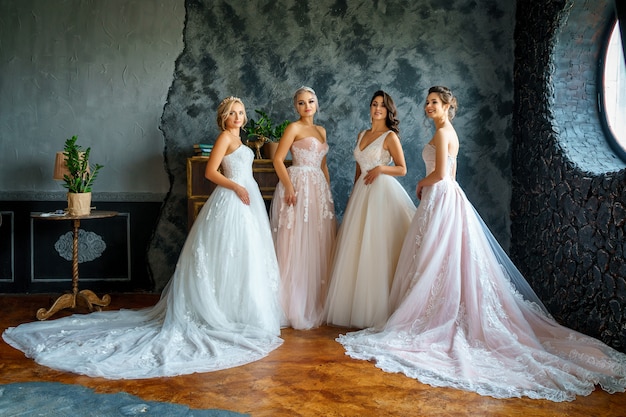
(613, 94)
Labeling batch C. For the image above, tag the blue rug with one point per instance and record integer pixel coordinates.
(53, 399)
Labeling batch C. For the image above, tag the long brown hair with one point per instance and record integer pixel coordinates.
(391, 121)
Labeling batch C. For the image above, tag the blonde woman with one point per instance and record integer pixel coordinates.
(303, 216)
(219, 310)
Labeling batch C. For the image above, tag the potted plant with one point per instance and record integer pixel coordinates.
(79, 178)
(265, 132)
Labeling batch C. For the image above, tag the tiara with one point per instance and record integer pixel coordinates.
(229, 98)
(307, 88)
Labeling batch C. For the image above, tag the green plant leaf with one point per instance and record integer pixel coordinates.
(80, 179)
(265, 127)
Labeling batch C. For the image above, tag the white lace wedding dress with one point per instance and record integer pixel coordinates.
(219, 310)
(466, 318)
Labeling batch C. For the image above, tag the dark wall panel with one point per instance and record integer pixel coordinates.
(35, 255)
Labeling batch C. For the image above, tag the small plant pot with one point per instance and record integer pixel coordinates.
(269, 149)
(79, 204)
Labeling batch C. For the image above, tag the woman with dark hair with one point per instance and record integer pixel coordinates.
(220, 309)
(466, 318)
(376, 219)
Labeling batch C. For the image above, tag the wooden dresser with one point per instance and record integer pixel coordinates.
(199, 188)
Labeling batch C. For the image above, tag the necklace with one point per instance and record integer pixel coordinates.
(233, 135)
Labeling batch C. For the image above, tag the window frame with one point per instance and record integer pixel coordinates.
(609, 133)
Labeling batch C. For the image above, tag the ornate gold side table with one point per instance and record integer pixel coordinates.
(83, 297)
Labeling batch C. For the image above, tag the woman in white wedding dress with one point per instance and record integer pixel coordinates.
(376, 220)
(465, 316)
(220, 308)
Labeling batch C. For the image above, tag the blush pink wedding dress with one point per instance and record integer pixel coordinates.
(466, 318)
(304, 236)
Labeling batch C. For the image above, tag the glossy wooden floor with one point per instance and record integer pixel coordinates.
(309, 375)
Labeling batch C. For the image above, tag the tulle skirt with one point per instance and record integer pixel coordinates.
(462, 321)
(219, 310)
(304, 236)
(368, 245)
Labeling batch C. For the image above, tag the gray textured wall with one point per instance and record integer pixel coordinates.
(569, 189)
(139, 81)
(96, 69)
(262, 51)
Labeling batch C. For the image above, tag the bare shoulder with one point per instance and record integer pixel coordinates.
(222, 140)
(440, 138)
(391, 138)
(291, 132)
(226, 142)
(322, 131)
(445, 138)
(450, 134)
(293, 127)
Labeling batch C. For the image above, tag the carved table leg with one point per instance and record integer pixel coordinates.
(92, 301)
(85, 297)
(64, 301)
(75, 258)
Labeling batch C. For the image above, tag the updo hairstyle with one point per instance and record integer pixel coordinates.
(224, 108)
(446, 97)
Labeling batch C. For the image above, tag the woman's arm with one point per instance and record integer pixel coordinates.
(325, 170)
(324, 166)
(284, 145)
(440, 141)
(222, 146)
(357, 169)
(398, 169)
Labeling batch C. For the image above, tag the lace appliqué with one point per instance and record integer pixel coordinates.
(469, 323)
(373, 155)
(307, 178)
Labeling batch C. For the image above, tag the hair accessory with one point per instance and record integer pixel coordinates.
(229, 98)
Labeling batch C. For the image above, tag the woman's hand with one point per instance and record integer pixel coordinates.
(371, 175)
(291, 197)
(418, 191)
(243, 195)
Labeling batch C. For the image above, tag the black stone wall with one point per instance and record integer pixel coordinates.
(568, 224)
